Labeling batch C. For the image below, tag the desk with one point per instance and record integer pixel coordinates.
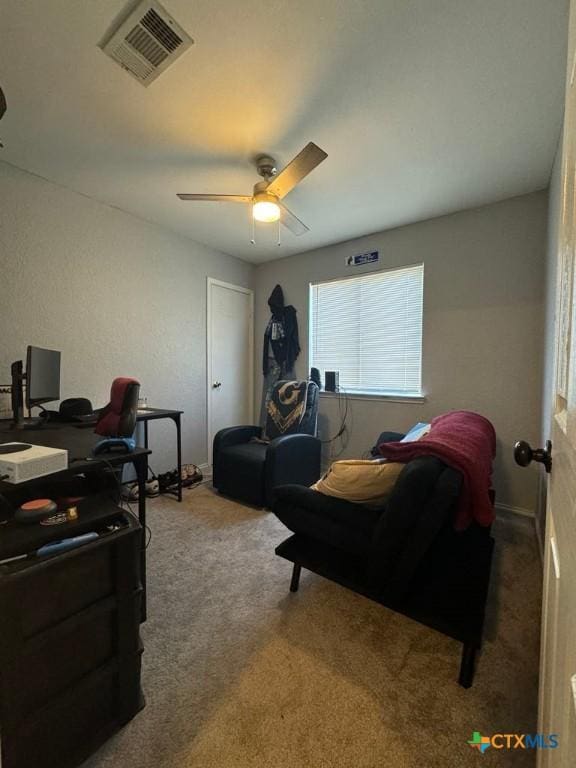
(152, 414)
(79, 442)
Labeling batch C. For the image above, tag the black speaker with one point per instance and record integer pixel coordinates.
(331, 381)
(315, 377)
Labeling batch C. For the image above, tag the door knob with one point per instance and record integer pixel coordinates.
(216, 385)
(524, 454)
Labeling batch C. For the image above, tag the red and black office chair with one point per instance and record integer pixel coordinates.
(117, 420)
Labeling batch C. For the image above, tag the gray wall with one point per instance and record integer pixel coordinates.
(117, 295)
(483, 335)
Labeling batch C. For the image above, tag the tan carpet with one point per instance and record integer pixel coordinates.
(239, 673)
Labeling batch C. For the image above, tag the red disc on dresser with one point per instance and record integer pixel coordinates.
(34, 510)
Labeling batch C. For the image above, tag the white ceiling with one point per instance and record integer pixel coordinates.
(424, 107)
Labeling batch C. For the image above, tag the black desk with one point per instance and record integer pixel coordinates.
(79, 442)
(152, 414)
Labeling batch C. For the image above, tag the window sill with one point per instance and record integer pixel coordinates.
(372, 396)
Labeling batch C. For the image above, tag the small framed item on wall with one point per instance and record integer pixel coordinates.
(370, 257)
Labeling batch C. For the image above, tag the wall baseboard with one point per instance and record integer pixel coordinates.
(529, 519)
(509, 509)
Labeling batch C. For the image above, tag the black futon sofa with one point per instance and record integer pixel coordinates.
(406, 556)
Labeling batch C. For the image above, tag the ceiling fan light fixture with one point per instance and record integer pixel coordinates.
(267, 194)
(265, 208)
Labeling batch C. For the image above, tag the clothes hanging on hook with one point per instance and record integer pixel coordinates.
(281, 345)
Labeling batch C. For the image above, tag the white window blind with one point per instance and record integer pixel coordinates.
(369, 329)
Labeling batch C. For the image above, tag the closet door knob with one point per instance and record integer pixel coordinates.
(524, 454)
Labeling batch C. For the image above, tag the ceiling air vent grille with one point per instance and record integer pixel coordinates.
(147, 42)
(145, 46)
(156, 25)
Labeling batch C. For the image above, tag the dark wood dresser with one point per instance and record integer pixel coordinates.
(70, 648)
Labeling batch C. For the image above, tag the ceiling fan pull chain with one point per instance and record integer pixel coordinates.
(279, 243)
(252, 226)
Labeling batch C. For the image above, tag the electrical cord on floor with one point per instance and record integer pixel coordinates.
(204, 481)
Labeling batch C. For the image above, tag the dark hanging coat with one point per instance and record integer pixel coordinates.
(287, 348)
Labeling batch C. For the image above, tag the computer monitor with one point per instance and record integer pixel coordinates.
(42, 376)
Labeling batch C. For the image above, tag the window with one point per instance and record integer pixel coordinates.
(369, 329)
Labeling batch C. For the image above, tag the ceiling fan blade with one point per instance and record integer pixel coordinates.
(217, 198)
(296, 170)
(292, 222)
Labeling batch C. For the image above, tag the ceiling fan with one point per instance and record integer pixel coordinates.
(267, 194)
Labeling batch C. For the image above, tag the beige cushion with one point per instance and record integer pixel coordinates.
(363, 482)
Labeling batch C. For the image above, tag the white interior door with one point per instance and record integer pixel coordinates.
(557, 712)
(230, 392)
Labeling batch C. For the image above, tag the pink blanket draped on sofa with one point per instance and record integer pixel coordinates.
(465, 441)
